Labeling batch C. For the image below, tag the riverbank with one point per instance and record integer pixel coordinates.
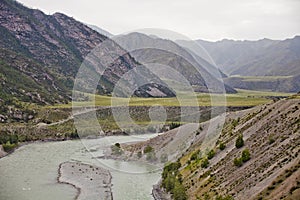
(91, 182)
(159, 194)
(2, 152)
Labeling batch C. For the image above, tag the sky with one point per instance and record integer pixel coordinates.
(197, 19)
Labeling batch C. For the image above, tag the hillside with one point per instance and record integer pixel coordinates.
(271, 135)
(269, 174)
(59, 44)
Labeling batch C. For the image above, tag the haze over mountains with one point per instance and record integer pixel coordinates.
(256, 58)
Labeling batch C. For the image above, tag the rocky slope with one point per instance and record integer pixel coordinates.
(271, 135)
(59, 44)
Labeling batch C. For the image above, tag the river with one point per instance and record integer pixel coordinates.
(30, 173)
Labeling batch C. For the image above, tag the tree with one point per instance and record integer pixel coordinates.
(239, 141)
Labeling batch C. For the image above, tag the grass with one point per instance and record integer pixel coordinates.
(261, 78)
(242, 98)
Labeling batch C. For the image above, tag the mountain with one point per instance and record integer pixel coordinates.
(157, 52)
(256, 58)
(58, 44)
(255, 156)
(100, 30)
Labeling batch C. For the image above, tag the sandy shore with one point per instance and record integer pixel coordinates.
(92, 183)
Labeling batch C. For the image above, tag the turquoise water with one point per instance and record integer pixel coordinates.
(30, 173)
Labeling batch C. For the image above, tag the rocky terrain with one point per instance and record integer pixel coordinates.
(265, 166)
(91, 182)
(46, 51)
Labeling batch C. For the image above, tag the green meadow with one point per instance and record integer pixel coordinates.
(242, 98)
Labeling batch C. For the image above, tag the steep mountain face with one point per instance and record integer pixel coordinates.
(161, 52)
(256, 58)
(58, 44)
(271, 170)
(255, 156)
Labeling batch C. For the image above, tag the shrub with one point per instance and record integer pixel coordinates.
(8, 146)
(245, 155)
(174, 125)
(195, 155)
(204, 163)
(238, 162)
(222, 146)
(271, 139)
(211, 154)
(239, 141)
(179, 192)
(148, 149)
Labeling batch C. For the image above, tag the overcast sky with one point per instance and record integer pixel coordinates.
(197, 19)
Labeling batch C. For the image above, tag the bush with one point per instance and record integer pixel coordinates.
(8, 146)
(245, 155)
(211, 154)
(148, 149)
(204, 163)
(222, 146)
(179, 192)
(271, 139)
(195, 156)
(174, 125)
(238, 162)
(239, 141)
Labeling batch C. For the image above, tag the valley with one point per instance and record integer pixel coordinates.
(147, 114)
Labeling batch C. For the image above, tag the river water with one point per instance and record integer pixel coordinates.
(30, 173)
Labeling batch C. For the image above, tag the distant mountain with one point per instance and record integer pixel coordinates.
(53, 47)
(153, 50)
(256, 58)
(100, 30)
